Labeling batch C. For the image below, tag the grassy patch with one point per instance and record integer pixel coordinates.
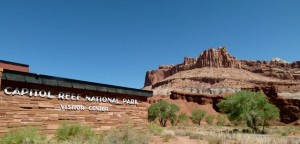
(224, 135)
(221, 119)
(74, 131)
(155, 129)
(209, 119)
(26, 135)
(127, 135)
(167, 137)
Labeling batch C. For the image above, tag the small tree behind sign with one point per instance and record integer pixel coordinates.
(197, 116)
(162, 110)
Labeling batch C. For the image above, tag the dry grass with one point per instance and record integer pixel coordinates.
(174, 135)
(224, 135)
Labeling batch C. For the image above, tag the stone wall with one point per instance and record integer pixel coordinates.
(19, 111)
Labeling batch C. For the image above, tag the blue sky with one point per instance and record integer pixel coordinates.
(117, 41)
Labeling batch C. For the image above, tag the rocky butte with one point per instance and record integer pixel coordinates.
(215, 73)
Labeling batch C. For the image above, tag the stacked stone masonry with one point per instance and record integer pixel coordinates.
(19, 111)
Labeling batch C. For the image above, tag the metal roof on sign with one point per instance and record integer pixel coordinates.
(70, 83)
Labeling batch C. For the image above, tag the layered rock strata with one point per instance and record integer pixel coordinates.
(209, 58)
(289, 108)
(215, 73)
(220, 58)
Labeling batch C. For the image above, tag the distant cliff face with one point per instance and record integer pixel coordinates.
(220, 58)
(216, 73)
(217, 58)
(209, 58)
(277, 69)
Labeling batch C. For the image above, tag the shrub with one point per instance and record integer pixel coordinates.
(209, 119)
(197, 116)
(154, 129)
(253, 108)
(220, 120)
(26, 135)
(214, 139)
(167, 137)
(183, 119)
(163, 111)
(94, 140)
(126, 135)
(72, 131)
(174, 119)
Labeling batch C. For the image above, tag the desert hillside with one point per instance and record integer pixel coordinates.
(216, 73)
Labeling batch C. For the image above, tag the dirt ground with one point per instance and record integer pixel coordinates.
(223, 135)
(177, 140)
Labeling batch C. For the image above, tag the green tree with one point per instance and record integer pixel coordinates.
(253, 108)
(164, 111)
(197, 116)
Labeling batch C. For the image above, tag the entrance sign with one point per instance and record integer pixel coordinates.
(30, 99)
(25, 91)
(72, 97)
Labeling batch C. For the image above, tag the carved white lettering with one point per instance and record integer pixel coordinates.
(43, 93)
(24, 91)
(130, 101)
(61, 95)
(6, 90)
(16, 91)
(98, 108)
(72, 107)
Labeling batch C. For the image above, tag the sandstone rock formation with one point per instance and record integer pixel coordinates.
(289, 109)
(215, 73)
(276, 69)
(209, 58)
(217, 58)
(220, 58)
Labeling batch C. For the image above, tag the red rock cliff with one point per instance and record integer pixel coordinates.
(204, 80)
(209, 58)
(217, 58)
(220, 58)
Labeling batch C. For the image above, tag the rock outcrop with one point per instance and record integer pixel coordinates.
(217, 58)
(220, 58)
(209, 58)
(215, 73)
(289, 109)
(274, 68)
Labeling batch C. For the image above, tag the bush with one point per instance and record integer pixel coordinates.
(167, 137)
(252, 108)
(94, 140)
(74, 131)
(209, 119)
(26, 135)
(197, 116)
(163, 111)
(154, 129)
(220, 120)
(127, 135)
(174, 119)
(183, 119)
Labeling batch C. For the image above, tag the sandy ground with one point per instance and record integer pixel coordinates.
(177, 140)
